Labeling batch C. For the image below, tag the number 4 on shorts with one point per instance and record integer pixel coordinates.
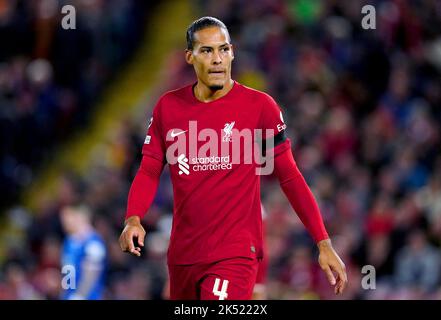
(222, 294)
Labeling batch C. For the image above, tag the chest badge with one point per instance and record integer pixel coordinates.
(228, 131)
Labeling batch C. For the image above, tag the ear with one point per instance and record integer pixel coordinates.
(189, 56)
(232, 52)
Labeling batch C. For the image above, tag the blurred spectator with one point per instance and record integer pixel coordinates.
(17, 286)
(51, 77)
(418, 264)
(83, 257)
(362, 110)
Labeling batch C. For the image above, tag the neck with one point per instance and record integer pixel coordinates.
(205, 94)
(83, 231)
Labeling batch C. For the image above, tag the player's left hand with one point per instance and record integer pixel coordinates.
(330, 262)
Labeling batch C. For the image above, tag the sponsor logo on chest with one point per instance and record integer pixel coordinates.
(208, 149)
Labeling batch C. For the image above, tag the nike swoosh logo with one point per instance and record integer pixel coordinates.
(173, 134)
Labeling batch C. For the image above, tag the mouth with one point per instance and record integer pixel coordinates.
(216, 72)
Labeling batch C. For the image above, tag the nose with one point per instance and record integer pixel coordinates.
(216, 58)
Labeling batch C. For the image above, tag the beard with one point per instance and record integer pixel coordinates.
(216, 87)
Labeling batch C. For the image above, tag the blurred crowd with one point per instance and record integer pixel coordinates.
(50, 77)
(363, 114)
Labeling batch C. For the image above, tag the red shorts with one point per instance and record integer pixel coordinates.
(229, 279)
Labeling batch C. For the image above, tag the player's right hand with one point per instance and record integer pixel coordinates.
(330, 262)
(132, 230)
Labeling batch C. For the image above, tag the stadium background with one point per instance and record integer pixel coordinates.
(363, 109)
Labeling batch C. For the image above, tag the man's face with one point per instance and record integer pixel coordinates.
(68, 220)
(72, 220)
(211, 57)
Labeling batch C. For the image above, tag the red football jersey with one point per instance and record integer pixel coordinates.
(217, 207)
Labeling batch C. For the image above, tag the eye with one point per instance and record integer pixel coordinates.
(205, 50)
(225, 49)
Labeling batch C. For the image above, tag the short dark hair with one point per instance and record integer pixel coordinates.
(202, 23)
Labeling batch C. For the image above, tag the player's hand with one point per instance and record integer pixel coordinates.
(330, 262)
(133, 229)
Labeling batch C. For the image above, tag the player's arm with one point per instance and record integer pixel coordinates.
(91, 269)
(141, 195)
(298, 192)
(303, 202)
